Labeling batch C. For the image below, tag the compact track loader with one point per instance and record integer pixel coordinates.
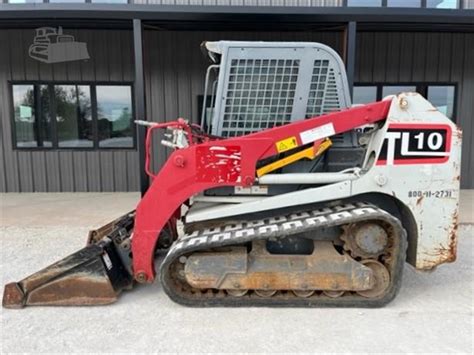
(283, 195)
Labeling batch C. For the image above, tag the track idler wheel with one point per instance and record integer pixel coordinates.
(381, 276)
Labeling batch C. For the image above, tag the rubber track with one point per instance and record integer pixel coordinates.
(237, 233)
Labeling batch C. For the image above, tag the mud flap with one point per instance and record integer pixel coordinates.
(94, 275)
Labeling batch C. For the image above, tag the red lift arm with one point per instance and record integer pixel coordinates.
(226, 162)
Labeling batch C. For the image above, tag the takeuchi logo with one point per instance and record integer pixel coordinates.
(50, 46)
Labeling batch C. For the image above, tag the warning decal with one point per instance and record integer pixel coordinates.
(286, 144)
(316, 133)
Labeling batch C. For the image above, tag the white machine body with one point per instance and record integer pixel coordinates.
(414, 157)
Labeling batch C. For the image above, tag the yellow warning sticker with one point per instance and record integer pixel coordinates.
(286, 144)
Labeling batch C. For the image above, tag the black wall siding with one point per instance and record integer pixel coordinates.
(467, 109)
(3, 109)
(12, 181)
(111, 60)
(40, 174)
(175, 71)
(67, 177)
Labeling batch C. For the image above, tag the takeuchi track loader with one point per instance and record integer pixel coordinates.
(283, 195)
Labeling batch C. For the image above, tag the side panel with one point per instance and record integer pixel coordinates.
(418, 155)
(425, 179)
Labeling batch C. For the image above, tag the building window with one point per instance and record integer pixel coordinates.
(45, 138)
(114, 112)
(24, 115)
(67, 1)
(32, 125)
(73, 116)
(364, 94)
(81, 116)
(442, 4)
(364, 3)
(442, 96)
(396, 89)
(404, 3)
(24, 1)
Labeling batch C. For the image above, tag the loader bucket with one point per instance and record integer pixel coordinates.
(94, 275)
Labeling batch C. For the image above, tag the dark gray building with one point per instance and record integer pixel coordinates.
(73, 75)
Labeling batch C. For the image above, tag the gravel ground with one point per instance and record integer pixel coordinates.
(432, 313)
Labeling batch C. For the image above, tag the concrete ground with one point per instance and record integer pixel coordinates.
(432, 313)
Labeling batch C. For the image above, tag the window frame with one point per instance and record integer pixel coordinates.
(459, 6)
(421, 88)
(54, 133)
